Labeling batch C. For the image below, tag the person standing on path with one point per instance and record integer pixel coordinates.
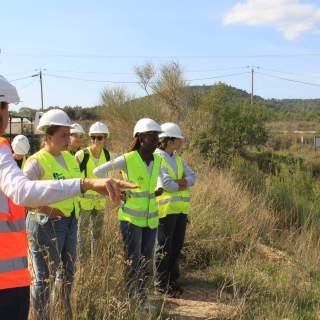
(174, 206)
(138, 213)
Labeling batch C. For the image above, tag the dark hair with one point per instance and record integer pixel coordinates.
(50, 131)
(3, 105)
(135, 144)
(164, 142)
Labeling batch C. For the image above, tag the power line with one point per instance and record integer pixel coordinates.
(291, 80)
(219, 76)
(21, 78)
(90, 55)
(137, 82)
(132, 73)
(90, 80)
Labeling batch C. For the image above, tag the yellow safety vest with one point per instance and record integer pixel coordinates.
(140, 207)
(53, 170)
(91, 199)
(174, 202)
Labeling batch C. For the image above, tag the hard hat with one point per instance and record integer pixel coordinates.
(54, 117)
(76, 128)
(170, 130)
(146, 125)
(8, 92)
(20, 145)
(99, 127)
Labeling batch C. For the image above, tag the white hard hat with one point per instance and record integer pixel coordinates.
(99, 127)
(8, 92)
(54, 117)
(20, 145)
(170, 130)
(76, 128)
(146, 125)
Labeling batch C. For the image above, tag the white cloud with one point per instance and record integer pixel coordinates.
(290, 17)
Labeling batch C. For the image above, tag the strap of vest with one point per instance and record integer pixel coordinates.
(106, 154)
(19, 163)
(84, 162)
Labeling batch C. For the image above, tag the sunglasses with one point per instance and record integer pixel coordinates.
(99, 138)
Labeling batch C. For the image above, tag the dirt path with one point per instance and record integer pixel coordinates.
(197, 302)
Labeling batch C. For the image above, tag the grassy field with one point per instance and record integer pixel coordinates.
(252, 243)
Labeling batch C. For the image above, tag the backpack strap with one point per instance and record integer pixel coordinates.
(106, 154)
(83, 164)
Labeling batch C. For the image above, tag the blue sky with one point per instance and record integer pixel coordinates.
(104, 40)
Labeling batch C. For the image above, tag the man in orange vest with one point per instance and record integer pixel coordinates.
(17, 191)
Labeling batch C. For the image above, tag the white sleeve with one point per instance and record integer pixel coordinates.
(29, 193)
(189, 175)
(112, 165)
(168, 183)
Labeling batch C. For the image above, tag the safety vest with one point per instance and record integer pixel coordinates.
(91, 199)
(13, 245)
(140, 207)
(53, 170)
(174, 202)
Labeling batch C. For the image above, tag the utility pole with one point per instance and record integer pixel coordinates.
(41, 86)
(253, 68)
(252, 84)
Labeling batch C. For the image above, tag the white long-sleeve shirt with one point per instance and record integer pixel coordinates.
(118, 163)
(165, 181)
(22, 191)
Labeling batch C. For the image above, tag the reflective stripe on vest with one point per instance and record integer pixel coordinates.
(91, 199)
(12, 226)
(53, 170)
(174, 202)
(13, 245)
(140, 214)
(140, 207)
(174, 199)
(140, 194)
(13, 264)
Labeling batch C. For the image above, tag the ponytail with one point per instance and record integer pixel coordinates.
(135, 144)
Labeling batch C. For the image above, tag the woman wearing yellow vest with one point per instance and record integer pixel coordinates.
(53, 240)
(138, 214)
(92, 204)
(21, 147)
(173, 205)
(16, 191)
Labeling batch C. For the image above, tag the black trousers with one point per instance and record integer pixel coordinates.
(170, 240)
(14, 303)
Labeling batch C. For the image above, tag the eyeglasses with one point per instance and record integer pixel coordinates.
(99, 138)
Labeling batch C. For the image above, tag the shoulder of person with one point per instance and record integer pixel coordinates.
(79, 155)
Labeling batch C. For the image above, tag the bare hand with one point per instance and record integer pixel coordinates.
(183, 183)
(108, 187)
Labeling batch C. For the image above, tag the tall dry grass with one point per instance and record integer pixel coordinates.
(234, 243)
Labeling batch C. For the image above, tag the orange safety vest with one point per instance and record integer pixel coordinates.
(13, 245)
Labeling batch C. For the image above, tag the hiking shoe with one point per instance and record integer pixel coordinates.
(177, 288)
(169, 292)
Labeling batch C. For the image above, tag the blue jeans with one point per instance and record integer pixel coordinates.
(138, 248)
(53, 252)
